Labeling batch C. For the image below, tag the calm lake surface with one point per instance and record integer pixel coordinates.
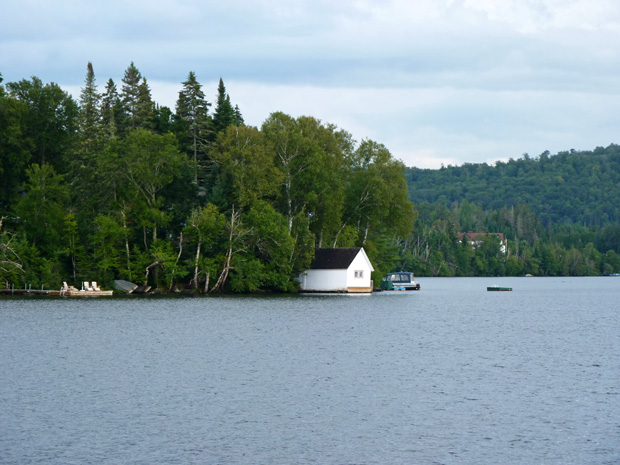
(452, 374)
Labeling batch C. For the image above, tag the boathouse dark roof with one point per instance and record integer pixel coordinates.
(334, 259)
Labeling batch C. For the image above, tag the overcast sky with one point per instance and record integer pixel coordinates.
(436, 81)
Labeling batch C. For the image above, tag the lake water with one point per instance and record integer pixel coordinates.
(452, 374)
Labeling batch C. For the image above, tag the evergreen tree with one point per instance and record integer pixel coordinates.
(163, 120)
(192, 109)
(131, 94)
(90, 111)
(224, 114)
(145, 107)
(238, 117)
(111, 109)
(83, 167)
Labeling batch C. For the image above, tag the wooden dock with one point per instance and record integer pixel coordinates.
(54, 292)
(12, 291)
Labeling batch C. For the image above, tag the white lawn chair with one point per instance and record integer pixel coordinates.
(95, 287)
(86, 286)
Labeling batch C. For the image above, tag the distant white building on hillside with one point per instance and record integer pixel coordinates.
(476, 238)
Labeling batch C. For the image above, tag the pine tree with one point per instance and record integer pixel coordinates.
(145, 108)
(111, 109)
(163, 119)
(192, 108)
(224, 114)
(82, 167)
(130, 94)
(238, 117)
(90, 112)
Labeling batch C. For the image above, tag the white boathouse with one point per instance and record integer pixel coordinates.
(338, 270)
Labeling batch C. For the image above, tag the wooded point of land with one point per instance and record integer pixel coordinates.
(115, 186)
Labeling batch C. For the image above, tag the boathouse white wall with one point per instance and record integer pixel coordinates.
(355, 278)
(324, 281)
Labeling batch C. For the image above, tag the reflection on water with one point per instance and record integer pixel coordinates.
(451, 374)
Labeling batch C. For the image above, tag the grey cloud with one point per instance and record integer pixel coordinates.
(460, 79)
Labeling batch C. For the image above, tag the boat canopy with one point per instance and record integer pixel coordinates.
(400, 277)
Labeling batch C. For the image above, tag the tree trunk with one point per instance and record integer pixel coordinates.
(6, 252)
(196, 259)
(195, 157)
(289, 202)
(176, 263)
(338, 233)
(366, 233)
(148, 269)
(126, 243)
(224, 274)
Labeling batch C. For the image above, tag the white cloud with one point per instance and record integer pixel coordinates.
(436, 81)
(532, 17)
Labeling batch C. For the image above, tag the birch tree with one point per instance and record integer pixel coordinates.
(9, 259)
(139, 167)
(309, 156)
(206, 226)
(246, 165)
(377, 193)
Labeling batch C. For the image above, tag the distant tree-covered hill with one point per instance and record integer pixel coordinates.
(575, 187)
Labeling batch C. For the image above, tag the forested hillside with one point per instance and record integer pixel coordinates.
(116, 186)
(559, 214)
(570, 187)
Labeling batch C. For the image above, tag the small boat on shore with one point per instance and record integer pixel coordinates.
(498, 288)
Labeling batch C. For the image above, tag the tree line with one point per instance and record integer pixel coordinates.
(559, 214)
(567, 188)
(434, 248)
(115, 186)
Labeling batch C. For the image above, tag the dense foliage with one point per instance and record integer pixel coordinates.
(570, 187)
(559, 214)
(115, 186)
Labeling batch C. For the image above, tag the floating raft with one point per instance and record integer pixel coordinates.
(498, 288)
(78, 293)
